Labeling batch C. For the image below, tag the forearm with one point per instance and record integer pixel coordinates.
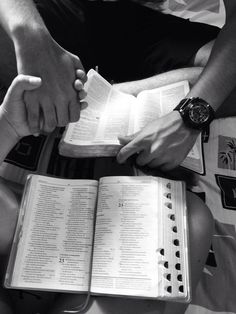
(23, 24)
(15, 16)
(228, 108)
(189, 74)
(218, 79)
(8, 137)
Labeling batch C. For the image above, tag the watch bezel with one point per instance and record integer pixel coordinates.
(188, 104)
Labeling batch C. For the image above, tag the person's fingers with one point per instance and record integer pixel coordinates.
(78, 66)
(167, 167)
(127, 151)
(155, 163)
(23, 83)
(62, 113)
(126, 139)
(80, 74)
(82, 94)
(40, 126)
(48, 119)
(33, 110)
(144, 157)
(78, 85)
(164, 166)
(74, 111)
(83, 105)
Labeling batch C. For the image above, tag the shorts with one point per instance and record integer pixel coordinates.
(125, 40)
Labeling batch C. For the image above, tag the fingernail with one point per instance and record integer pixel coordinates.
(34, 80)
(83, 105)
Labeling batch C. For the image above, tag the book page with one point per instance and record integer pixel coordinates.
(125, 248)
(107, 114)
(54, 249)
(141, 245)
(117, 118)
(157, 102)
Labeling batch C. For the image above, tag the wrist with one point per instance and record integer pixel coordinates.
(179, 120)
(7, 130)
(29, 35)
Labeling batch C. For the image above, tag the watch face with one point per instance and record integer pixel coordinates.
(198, 113)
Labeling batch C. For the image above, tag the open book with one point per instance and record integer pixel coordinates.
(123, 236)
(111, 113)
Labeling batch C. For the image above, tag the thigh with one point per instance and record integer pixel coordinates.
(136, 42)
(171, 42)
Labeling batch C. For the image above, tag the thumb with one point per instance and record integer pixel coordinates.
(23, 83)
(126, 139)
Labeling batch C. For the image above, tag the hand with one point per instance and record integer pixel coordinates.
(163, 143)
(56, 101)
(13, 107)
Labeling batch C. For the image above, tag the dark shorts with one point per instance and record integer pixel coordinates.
(127, 41)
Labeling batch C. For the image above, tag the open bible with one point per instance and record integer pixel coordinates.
(123, 236)
(111, 113)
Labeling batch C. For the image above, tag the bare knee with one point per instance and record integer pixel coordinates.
(201, 225)
(200, 218)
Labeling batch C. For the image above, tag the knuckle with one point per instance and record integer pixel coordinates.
(51, 124)
(62, 122)
(76, 58)
(19, 77)
(48, 128)
(120, 156)
(82, 94)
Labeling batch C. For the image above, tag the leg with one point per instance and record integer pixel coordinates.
(201, 230)
(177, 44)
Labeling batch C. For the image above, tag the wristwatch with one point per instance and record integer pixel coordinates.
(195, 112)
